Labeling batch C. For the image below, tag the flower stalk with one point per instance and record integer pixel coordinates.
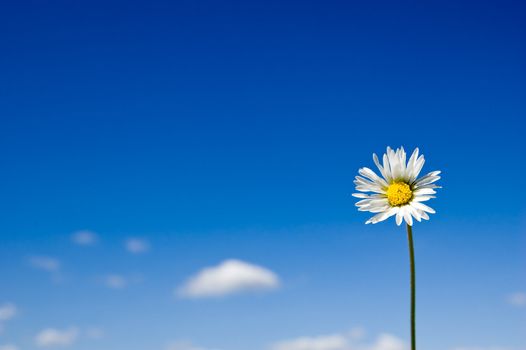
(413, 285)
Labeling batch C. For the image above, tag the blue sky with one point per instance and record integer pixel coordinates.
(208, 131)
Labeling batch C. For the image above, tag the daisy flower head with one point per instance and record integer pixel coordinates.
(398, 191)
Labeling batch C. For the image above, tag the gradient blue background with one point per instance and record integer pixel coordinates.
(234, 130)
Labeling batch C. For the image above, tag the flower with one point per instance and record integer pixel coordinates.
(398, 192)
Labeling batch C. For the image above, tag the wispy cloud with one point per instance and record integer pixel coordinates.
(85, 238)
(45, 263)
(137, 245)
(353, 340)
(56, 337)
(53, 337)
(229, 277)
(8, 347)
(185, 346)
(7, 312)
(94, 333)
(517, 299)
(483, 348)
(116, 281)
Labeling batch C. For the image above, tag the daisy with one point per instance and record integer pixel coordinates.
(398, 191)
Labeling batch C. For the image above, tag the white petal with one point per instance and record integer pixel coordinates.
(374, 209)
(402, 161)
(379, 166)
(428, 178)
(414, 212)
(399, 216)
(424, 215)
(358, 180)
(365, 185)
(377, 208)
(423, 207)
(394, 163)
(367, 195)
(424, 190)
(407, 216)
(368, 173)
(372, 202)
(387, 167)
(363, 202)
(369, 189)
(415, 171)
(382, 216)
(429, 186)
(426, 181)
(419, 198)
(411, 164)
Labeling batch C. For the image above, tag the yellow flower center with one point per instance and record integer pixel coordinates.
(399, 193)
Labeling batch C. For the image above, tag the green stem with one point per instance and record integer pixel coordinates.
(412, 264)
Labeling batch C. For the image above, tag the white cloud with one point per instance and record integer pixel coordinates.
(229, 277)
(325, 342)
(517, 299)
(56, 337)
(85, 238)
(137, 246)
(388, 342)
(45, 263)
(7, 312)
(353, 340)
(8, 347)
